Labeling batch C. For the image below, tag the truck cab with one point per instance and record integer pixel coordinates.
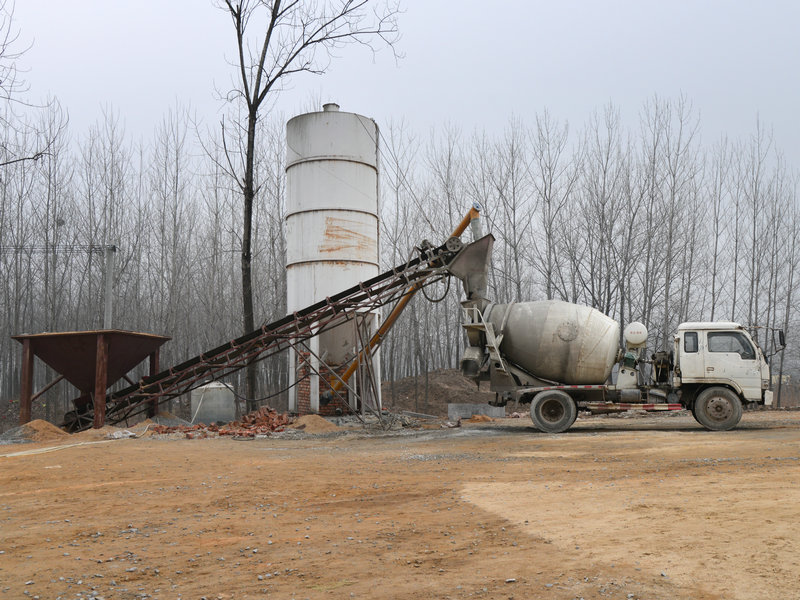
(718, 368)
(720, 353)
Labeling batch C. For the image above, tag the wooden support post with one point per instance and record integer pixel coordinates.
(152, 409)
(26, 389)
(100, 381)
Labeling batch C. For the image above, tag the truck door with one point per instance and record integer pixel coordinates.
(690, 357)
(731, 355)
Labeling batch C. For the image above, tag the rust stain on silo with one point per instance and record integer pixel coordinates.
(340, 234)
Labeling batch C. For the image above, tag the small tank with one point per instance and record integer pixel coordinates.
(213, 403)
(557, 341)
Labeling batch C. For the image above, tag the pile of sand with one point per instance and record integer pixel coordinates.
(42, 431)
(480, 419)
(313, 424)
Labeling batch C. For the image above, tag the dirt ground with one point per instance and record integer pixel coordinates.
(645, 508)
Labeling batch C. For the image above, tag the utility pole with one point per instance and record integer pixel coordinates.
(110, 252)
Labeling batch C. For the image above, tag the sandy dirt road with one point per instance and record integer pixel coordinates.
(650, 508)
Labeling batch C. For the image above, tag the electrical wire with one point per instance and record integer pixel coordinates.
(444, 295)
(265, 398)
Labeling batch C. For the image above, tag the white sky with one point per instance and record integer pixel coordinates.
(471, 63)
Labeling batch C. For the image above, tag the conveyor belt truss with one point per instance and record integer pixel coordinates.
(292, 330)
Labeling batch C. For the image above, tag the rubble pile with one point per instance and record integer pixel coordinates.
(263, 421)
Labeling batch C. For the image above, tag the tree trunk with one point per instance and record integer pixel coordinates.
(248, 316)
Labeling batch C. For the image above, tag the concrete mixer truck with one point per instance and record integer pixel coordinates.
(562, 358)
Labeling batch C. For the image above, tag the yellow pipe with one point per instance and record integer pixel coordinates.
(473, 213)
(377, 338)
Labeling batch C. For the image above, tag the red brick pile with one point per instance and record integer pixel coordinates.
(263, 421)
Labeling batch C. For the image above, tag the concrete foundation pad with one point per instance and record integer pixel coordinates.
(465, 411)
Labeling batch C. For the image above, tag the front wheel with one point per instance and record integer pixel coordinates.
(553, 411)
(717, 409)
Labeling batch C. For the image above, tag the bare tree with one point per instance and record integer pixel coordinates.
(515, 199)
(276, 40)
(555, 176)
(603, 186)
(11, 85)
(718, 189)
(12, 90)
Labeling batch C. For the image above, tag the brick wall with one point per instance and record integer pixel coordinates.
(339, 402)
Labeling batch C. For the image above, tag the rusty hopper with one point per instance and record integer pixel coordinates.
(92, 361)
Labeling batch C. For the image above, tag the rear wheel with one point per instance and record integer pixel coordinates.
(553, 411)
(717, 409)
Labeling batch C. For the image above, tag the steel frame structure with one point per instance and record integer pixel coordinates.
(394, 285)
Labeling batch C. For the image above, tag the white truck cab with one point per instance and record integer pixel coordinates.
(721, 353)
(718, 367)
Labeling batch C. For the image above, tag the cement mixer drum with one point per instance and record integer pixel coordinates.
(557, 341)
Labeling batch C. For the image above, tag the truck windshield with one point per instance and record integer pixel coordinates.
(731, 341)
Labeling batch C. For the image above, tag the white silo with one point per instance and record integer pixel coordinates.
(331, 231)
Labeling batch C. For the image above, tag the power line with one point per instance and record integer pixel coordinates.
(59, 248)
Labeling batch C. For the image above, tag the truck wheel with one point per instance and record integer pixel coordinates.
(717, 409)
(553, 411)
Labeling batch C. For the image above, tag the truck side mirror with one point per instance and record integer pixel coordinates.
(782, 338)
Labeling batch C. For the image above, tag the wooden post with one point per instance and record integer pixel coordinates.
(26, 389)
(152, 409)
(100, 381)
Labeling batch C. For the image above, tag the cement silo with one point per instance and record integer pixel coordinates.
(331, 233)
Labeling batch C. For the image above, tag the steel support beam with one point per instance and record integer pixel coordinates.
(26, 389)
(100, 382)
(152, 408)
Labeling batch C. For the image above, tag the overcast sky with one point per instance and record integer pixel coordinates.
(471, 63)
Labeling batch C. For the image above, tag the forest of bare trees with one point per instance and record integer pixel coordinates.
(651, 222)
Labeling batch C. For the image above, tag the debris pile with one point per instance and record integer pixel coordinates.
(263, 421)
(103, 433)
(264, 417)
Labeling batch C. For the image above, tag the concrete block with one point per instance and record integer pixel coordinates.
(465, 411)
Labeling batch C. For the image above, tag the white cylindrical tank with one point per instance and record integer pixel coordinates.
(331, 214)
(213, 403)
(558, 341)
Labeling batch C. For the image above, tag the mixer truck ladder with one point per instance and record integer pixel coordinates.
(474, 321)
(429, 266)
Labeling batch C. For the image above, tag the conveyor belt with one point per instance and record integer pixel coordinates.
(270, 339)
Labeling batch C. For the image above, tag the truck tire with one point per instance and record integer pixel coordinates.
(553, 411)
(717, 409)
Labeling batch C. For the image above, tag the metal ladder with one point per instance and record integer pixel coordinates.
(473, 320)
